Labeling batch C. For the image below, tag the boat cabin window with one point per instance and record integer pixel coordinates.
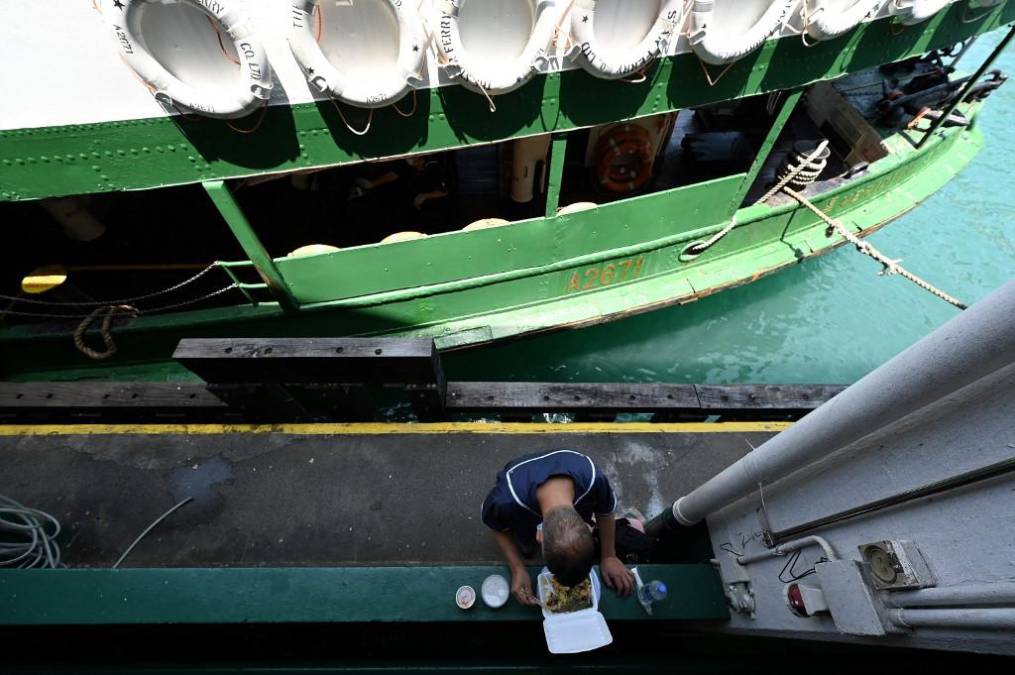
(652, 154)
(400, 198)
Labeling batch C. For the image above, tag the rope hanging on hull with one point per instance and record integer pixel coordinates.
(107, 313)
(801, 173)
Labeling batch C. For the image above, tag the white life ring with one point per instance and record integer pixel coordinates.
(234, 98)
(504, 77)
(381, 89)
(718, 47)
(912, 12)
(598, 61)
(824, 21)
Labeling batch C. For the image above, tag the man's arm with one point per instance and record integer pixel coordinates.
(615, 573)
(521, 582)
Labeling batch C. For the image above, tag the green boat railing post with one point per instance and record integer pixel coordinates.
(947, 112)
(558, 152)
(788, 106)
(252, 246)
(244, 288)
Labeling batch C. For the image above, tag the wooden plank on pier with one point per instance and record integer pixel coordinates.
(765, 396)
(312, 360)
(547, 396)
(709, 399)
(274, 402)
(99, 396)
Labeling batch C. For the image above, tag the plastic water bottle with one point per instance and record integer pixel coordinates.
(653, 591)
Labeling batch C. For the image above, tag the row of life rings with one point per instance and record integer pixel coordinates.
(718, 31)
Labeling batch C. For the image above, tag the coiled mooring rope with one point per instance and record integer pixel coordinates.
(108, 313)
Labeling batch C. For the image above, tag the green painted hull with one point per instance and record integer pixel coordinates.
(467, 289)
(155, 153)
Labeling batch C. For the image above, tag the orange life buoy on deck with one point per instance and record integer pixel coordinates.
(624, 158)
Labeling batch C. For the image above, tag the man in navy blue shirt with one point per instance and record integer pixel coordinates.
(551, 499)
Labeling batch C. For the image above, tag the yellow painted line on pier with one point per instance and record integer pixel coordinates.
(380, 429)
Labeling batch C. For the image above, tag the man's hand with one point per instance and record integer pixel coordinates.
(616, 576)
(521, 587)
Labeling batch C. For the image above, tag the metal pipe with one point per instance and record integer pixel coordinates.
(974, 344)
(789, 547)
(969, 86)
(970, 595)
(973, 477)
(970, 619)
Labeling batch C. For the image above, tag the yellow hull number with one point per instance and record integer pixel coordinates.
(605, 275)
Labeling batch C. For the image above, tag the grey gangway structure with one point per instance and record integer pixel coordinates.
(885, 515)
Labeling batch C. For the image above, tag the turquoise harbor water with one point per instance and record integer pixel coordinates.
(829, 320)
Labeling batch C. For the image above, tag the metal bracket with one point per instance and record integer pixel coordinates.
(736, 584)
(740, 597)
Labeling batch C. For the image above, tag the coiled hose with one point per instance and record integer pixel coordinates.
(27, 536)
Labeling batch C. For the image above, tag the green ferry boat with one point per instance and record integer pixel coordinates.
(467, 170)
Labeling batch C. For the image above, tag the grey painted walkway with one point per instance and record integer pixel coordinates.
(319, 499)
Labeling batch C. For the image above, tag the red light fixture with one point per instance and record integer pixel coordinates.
(795, 597)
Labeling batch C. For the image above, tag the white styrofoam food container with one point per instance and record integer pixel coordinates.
(574, 632)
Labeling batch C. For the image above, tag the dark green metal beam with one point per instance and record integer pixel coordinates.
(785, 112)
(152, 153)
(307, 595)
(558, 153)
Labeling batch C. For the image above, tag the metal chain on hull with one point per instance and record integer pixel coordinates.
(106, 303)
(110, 310)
